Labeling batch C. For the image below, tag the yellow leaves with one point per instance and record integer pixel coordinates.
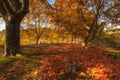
(68, 15)
(83, 74)
(98, 72)
(35, 72)
(38, 7)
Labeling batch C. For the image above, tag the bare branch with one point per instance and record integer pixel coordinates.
(2, 8)
(0, 15)
(50, 6)
(16, 4)
(83, 19)
(8, 7)
(93, 9)
(25, 7)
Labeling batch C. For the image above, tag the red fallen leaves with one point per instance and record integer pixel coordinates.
(92, 64)
(53, 68)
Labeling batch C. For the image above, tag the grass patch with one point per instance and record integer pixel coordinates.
(16, 67)
(114, 55)
(4, 60)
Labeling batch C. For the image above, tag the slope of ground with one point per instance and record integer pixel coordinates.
(106, 42)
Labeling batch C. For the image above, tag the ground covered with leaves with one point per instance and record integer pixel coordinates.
(48, 62)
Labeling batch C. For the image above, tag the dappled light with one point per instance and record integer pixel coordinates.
(99, 72)
(59, 39)
(89, 65)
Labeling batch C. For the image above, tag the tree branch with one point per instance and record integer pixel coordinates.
(16, 4)
(2, 8)
(50, 6)
(25, 7)
(83, 19)
(8, 7)
(0, 15)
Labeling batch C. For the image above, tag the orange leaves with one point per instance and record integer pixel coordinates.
(83, 74)
(43, 1)
(91, 64)
(52, 67)
(99, 72)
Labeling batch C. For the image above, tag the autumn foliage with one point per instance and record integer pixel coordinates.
(92, 64)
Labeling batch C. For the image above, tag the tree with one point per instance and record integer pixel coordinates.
(93, 16)
(13, 11)
(37, 18)
(66, 16)
(91, 12)
(86, 18)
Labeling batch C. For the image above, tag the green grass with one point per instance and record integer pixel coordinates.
(114, 55)
(19, 67)
(4, 61)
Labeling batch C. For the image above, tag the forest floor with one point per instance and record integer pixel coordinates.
(48, 62)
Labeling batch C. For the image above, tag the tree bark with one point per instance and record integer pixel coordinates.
(72, 40)
(84, 44)
(12, 45)
(37, 40)
(13, 11)
(75, 37)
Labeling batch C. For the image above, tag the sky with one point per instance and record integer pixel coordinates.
(2, 26)
(51, 1)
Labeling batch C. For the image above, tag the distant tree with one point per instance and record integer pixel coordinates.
(66, 15)
(37, 18)
(85, 18)
(93, 16)
(13, 11)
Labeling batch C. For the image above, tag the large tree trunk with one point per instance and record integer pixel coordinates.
(12, 37)
(13, 11)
